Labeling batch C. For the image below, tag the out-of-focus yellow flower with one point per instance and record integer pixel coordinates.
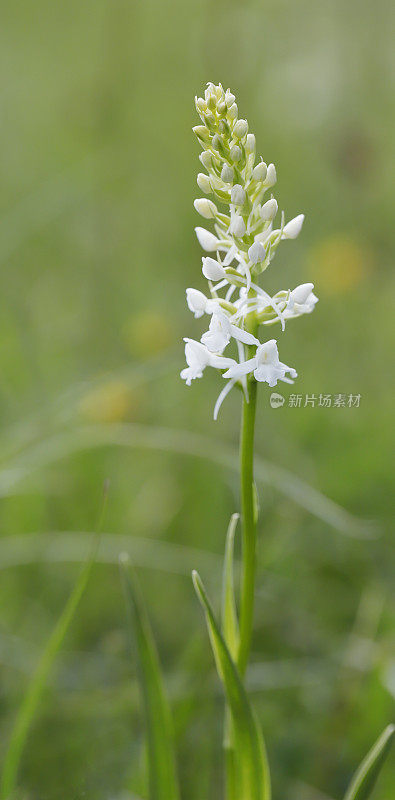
(338, 264)
(148, 333)
(113, 401)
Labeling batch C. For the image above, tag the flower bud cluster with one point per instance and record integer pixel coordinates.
(244, 242)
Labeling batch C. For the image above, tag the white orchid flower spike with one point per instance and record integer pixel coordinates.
(239, 203)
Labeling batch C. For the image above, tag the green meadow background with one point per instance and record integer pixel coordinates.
(97, 173)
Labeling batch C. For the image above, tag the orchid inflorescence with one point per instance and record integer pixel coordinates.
(244, 244)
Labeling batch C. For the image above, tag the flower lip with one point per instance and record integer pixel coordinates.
(266, 366)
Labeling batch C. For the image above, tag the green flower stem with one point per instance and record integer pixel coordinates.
(248, 524)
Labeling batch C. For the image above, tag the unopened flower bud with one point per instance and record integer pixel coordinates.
(211, 102)
(205, 207)
(201, 133)
(235, 153)
(227, 174)
(223, 127)
(237, 226)
(233, 111)
(206, 159)
(212, 270)
(271, 175)
(250, 143)
(206, 239)
(229, 98)
(241, 128)
(238, 195)
(210, 121)
(221, 108)
(200, 104)
(256, 253)
(269, 209)
(203, 182)
(293, 227)
(259, 172)
(216, 143)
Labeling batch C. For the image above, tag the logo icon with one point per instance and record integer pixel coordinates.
(276, 400)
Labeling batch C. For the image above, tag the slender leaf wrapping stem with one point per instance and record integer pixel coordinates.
(162, 772)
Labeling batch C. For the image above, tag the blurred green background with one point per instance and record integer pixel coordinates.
(97, 173)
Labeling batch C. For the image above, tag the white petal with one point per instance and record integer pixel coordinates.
(206, 239)
(221, 362)
(259, 172)
(197, 302)
(293, 227)
(291, 370)
(269, 209)
(256, 253)
(215, 341)
(189, 374)
(267, 353)
(241, 369)
(229, 293)
(271, 175)
(243, 336)
(237, 195)
(237, 226)
(196, 354)
(302, 292)
(230, 255)
(212, 270)
(205, 207)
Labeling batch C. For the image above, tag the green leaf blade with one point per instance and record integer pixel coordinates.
(230, 625)
(163, 783)
(366, 775)
(251, 778)
(230, 628)
(37, 684)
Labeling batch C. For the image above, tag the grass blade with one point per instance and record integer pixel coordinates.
(62, 445)
(252, 778)
(35, 690)
(161, 761)
(366, 775)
